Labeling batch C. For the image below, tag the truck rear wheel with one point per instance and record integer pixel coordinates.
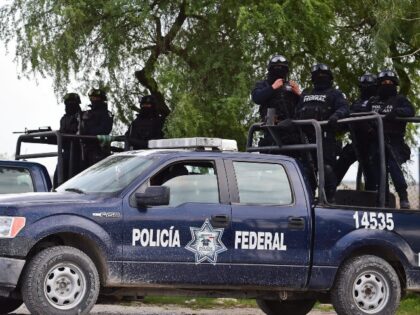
(366, 285)
(60, 281)
(295, 307)
(9, 305)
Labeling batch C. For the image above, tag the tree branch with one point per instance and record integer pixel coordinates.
(163, 46)
(399, 67)
(407, 55)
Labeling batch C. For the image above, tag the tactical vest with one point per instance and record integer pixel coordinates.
(391, 127)
(90, 119)
(69, 123)
(145, 128)
(283, 100)
(360, 106)
(316, 106)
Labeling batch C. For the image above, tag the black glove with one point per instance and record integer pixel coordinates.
(286, 124)
(332, 121)
(391, 115)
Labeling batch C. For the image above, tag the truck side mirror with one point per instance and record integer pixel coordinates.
(153, 196)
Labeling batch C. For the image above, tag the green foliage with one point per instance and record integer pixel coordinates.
(202, 58)
(410, 305)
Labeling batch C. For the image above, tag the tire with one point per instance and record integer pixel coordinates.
(9, 305)
(60, 281)
(366, 285)
(295, 307)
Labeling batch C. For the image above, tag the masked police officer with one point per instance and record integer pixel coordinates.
(278, 93)
(361, 134)
(96, 121)
(324, 102)
(393, 105)
(69, 124)
(147, 125)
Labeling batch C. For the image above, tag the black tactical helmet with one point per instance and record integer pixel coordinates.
(97, 94)
(388, 74)
(72, 98)
(277, 60)
(368, 79)
(321, 68)
(148, 99)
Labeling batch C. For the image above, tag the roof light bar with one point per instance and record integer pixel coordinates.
(194, 143)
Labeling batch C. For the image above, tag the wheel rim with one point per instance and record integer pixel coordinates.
(370, 292)
(65, 286)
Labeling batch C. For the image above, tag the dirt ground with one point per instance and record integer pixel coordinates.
(169, 310)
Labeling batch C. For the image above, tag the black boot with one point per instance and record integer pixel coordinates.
(404, 203)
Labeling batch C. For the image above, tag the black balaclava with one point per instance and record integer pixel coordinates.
(366, 92)
(72, 108)
(321, 80)
(98, 104)
(277, 72)
(148, 112)
(386, 91)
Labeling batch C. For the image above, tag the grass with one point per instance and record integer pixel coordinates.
(409, 306)
(198, 303)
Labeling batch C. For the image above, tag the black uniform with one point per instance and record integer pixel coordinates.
(147, 126)
(69, 124)
(96, 121)
(397, 151)
(362, 135)
(282, 99)
(324, 103)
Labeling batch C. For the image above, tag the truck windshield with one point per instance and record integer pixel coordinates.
(108, 176)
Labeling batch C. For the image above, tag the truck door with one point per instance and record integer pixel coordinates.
(187, 241)
(270, 222)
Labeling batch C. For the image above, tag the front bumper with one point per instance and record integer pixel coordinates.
(10, 270)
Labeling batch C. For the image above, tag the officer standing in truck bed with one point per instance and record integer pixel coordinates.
(324, 102)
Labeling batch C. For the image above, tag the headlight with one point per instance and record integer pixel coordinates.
(11, 226)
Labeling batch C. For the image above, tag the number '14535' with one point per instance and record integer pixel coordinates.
(374, 220)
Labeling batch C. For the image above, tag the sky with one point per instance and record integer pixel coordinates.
(31, 103)
(26, 103)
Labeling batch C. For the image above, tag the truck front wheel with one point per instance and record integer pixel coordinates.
(295, 307)
(60, 280)
(366, 285)
(9, 305)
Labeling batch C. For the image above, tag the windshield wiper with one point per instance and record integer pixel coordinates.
(76, 190)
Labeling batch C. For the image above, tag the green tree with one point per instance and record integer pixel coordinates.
(202, 57)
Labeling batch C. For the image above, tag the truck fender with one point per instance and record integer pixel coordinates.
(63, 223)
(380, 239)
(362, 241)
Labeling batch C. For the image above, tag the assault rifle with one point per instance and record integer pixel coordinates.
(29, 131)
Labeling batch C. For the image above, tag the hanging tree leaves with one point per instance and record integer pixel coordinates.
(201, 58)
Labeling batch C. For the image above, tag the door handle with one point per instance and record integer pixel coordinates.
(296, 223)
(220, 220)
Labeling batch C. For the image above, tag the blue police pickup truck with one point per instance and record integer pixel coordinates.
(205, 222)
(22, 177)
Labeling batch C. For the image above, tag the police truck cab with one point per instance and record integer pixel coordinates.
(195, 217)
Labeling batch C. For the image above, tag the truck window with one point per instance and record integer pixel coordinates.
(189, 182)
(262, 183)
(110, 175)
(15, 180)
